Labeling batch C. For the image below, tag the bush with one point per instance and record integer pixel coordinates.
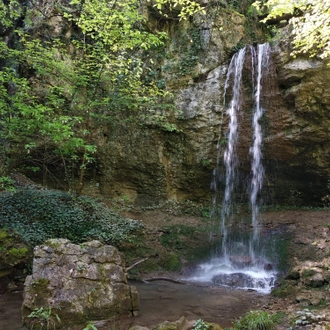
(38, 215)
(255, 320)
(201, 325)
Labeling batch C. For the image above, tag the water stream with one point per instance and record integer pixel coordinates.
(242, 261)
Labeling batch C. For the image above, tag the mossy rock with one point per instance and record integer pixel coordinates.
(13, 253)
(308, 273)
(286, 289)
(294, 275)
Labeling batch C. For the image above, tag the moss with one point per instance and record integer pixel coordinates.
(18, 252)
(308, 273)
(286, 289)
(16, 255)
(39, 289)
(5, 272)
(40, 286)
(3, 234)
(12, 252)
(54, 243)
(213, 326)
(171, 262)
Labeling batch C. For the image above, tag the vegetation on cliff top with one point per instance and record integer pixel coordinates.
(310, 21)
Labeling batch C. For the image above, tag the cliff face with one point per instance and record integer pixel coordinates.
(150, 164)
(302, 146)
(153, 164)
(174, 157)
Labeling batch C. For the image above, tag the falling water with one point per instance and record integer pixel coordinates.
(230, 156)
(241, 264)
(255, 151)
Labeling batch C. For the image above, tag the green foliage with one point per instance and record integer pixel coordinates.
(171, 262)
(310, 22)
(190, 59)
(307, 273)
(242, 6)
(9, 12)
(205, 162)
(255, 320)
(59, 96)
(43, 318)
(28, 125)
(173, 235)
(284, 290)
(201, 325)
(184, 8)
(6, 183)
(192, 44)
(38, 215)
(90, 326)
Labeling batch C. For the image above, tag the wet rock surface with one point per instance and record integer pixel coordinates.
(235, 280)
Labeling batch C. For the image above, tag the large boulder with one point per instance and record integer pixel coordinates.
(76, 284)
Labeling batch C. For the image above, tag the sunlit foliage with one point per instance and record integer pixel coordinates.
(310, 22)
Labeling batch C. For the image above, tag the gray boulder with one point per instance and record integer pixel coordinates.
(76, 284)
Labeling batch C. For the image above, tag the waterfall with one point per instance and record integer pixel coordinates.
(230, 156)
(241, 262)
(257, 167)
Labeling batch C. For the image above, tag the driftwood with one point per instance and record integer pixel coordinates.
(152, 279)
(135, 264)
(168, 279)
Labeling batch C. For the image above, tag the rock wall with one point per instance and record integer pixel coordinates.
(79, 283)
(155, 164)
(150, 164)
(174, 158)
(303, 130)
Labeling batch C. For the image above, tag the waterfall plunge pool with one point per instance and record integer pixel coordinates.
(223, 272)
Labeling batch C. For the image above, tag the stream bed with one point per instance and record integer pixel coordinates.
(161, 301)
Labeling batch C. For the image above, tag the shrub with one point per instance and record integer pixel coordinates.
(255, 320)
(201, 325)
(43, 318)
(38, 215)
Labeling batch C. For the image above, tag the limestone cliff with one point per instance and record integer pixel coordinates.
(151, 164)
(173, 158)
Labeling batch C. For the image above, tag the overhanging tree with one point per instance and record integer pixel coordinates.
(60, 94)
(56, 95)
